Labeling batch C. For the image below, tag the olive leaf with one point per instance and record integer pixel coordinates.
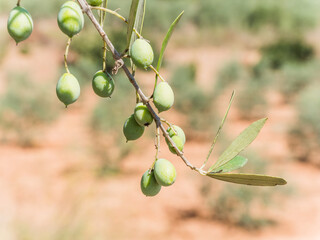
(166, 40)
(234, 164)
(248, 179)
(241, 142)
(135, 21)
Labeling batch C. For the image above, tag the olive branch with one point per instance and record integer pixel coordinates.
(229, 160)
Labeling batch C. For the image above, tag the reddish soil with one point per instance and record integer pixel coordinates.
(54, 186)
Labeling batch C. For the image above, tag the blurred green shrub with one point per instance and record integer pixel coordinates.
(231, 73)
(251, 100)
(106, 122)
(188, 95)
(25, 106)
(294, 77)
(287, 51)
(304, 137)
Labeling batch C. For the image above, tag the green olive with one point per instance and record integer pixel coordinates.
(68, 89)
(178, 142)
(164, 172)
(141, 53)
(20, 24)
(94, 2)
(149, 185)
(103, 84)
(179, 132)
(131, 129)
(70, 18)
(175, 135)
(163, 97)
(142, 115)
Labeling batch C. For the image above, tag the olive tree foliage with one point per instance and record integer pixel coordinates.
(148, 108)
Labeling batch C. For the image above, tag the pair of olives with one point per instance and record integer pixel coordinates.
(133, 127)
(70, 21)
(163, 174)
(68, 87)
(141, 54)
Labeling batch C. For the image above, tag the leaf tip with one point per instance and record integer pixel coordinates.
(282, 182)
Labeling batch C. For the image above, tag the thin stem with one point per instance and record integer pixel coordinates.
(104, 57)
(66, 55)
(157, 73)
(157, 146)
(136, 32)
(111, 12)
(102, 18)
(117, 15)
(137, 97)
(170, 125)
(18, 3)
(120, 64)
(219, 130)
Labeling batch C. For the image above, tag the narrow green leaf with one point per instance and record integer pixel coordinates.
(248, 179)
(167, 38)
(241, 142)
(135, 21)
(234, 164)
(219, 129)
(132, 19)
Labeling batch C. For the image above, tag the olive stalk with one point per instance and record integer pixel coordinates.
(117, 15)
(157, 73)
(18, 3)
(111, 12)
(66, 55)
(157, 146)
(119, 63)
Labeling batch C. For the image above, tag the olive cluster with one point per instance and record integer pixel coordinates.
(71, 21)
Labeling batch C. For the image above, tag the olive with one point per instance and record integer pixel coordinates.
(149, 185)
(70, 18)
(163, 97)
(20, 24)
(164, 172)
(103, 84)
(68, 89)
(131, 129)
(142, 115)
(94, 2)
(141, 53)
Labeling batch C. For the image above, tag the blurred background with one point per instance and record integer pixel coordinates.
(69, 174)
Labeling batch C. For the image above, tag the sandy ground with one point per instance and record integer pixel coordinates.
(52, 187)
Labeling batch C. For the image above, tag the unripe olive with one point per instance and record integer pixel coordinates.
(149, 185)
(177, 141)
(20, 24)
(142, 115)
(141, 53)
(131, 129)
(70, 18)
(94, 2)
(179, 132)
(164, 172)
(103, 84)
(68, 89)
(163, 97)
